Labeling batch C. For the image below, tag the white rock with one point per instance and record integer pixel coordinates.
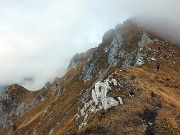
(97, 86)
(114, 81)
(101, 100)
(120, 100)
(110, 103)
(94, 97)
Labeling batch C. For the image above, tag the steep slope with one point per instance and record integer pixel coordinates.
(112, 89)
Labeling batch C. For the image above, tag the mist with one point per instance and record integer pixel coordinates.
(38, 38)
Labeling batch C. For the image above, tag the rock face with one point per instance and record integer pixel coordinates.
(116, 49)
(40, 97)
(78, 59)
(73, 63)
(21, 108)
(108, 35)
(5, 101)
(88, 70)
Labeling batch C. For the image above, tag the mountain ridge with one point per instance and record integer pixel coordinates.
(112, 89)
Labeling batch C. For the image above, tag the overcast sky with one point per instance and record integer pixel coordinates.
(39, 37)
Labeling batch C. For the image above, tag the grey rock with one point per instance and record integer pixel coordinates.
(74, 60)
(38, 99)
(54, 88)
(129, 60)
(65, 90)
(59, 92)
(90, 59)
(47, 85)
(85, 96)
(13, 111)
(47, 110)
(144, 39)
(21, 108)
(3, 119)
(108, 35)
(88, 70)
(138, 60)
(114, 49)
(2, 107)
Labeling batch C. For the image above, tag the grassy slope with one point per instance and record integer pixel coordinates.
(154, 102)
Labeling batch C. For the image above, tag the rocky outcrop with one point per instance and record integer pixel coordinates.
(6, 101)
(13, 104)
(21, 108)
(47, 85)
(100, 100)
(54, 88)
(88, 70)
(114, 49)
(39, 98)
(99, 95)
(116, 53)
(108, 35)
(78, 59)
(74, 60)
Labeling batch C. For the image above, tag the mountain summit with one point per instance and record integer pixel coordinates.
(129, 84)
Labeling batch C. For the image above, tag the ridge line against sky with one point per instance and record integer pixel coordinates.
(39, 37)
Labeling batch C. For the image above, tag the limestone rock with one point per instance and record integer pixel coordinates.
(74, 60)
(88, 70)
(99, 95)
(21, 108)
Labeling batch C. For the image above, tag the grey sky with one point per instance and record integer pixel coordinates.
(39, 37)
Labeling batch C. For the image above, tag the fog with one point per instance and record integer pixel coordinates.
(38, 38)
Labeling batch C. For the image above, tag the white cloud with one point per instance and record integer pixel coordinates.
(38, 37)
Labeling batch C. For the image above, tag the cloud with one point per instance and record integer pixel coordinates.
(39, 37)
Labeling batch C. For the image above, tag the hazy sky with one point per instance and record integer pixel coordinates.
(39, 37)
